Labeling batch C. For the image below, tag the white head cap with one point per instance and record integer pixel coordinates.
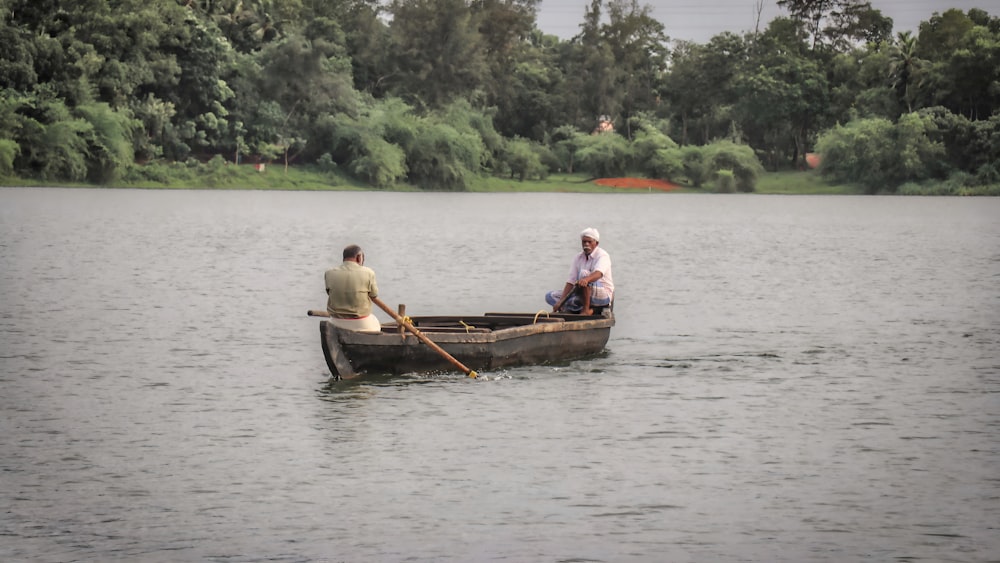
(591, 232)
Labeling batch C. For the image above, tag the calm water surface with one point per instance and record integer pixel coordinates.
(791, 379)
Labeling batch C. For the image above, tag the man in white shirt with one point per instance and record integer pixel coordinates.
(589, 278)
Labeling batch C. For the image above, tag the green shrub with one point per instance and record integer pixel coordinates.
(651, 152)
(378, 162)
(326, 164)
(522, 160)
(666, 164)
(442, 158)
(725, 182)
(606, 155)
(738, 160)
(8, 151)
(880, 155)
(696, 168)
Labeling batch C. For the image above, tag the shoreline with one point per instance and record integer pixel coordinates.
(806, 182)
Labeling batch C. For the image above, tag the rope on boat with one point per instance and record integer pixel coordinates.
(402, 333)
(467, 326)
(540, 311)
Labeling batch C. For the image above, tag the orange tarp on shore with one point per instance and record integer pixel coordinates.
(637, 183)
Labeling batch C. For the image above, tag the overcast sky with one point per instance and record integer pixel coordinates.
(700, 20)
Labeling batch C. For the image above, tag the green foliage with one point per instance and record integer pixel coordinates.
(738, 161)
(725, 182)
(445, 91)
(963, 62)
(523, 158)
(651, 148)
(958, 184)
(984, 151)
(780, 104)
(63, 154)
(109, 141)
(880, 155)
(378, 162)
(855, 153)
(565, 142)
(604, 155)
(439, 52)
(443, 158)
(695, 165)
(8, 152)
(388, 143)
(326, 163)
(666, 164)
(478, 126)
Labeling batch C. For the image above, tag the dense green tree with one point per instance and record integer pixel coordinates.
(439, 55)
(964, 69)
(639, 46)
(504, 27)
(534, 100)
(781, 98)
(590, 72)
(857, 22)
(369, 46)
(838, 23)
(905, 69)
(18, 50)
(700, 86)
(858, 85)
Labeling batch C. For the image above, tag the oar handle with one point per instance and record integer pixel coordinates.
(402, 322)
(317, 313)
(565, 297)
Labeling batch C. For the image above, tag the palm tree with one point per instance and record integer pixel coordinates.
(905, 68)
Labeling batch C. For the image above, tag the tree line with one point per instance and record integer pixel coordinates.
(435, 92)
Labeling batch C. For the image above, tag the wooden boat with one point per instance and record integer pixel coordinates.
(490, 341)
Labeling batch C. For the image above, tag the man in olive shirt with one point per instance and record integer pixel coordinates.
(351, 287)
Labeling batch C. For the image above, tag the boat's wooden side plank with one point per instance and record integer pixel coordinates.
(519, 331)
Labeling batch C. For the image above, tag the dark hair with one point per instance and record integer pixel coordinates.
(351, 252)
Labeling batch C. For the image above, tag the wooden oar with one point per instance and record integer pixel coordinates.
(402, 322)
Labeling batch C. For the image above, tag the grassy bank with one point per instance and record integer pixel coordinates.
(303, 178)
(800, 183)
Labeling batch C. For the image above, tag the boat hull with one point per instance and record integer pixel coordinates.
(506, 340)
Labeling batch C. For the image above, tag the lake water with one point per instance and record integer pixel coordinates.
(790, 379)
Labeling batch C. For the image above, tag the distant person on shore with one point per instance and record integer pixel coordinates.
(589, 278)
(350, 288)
